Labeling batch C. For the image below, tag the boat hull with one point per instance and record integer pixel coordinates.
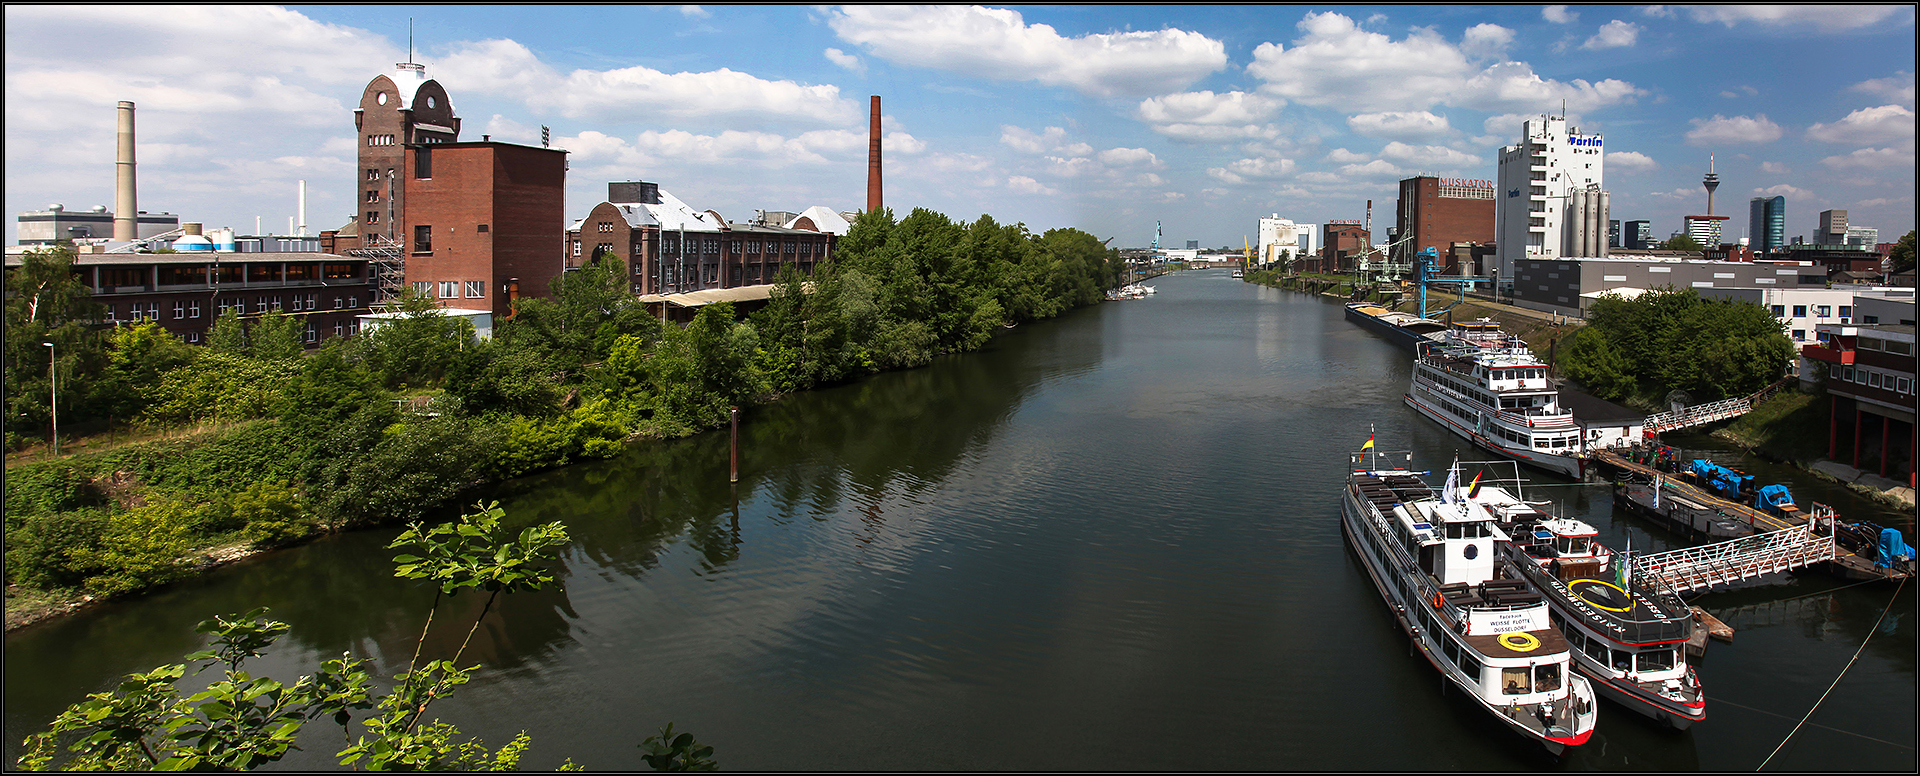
(1400, 335)
(1640, 702)
(1564, 465)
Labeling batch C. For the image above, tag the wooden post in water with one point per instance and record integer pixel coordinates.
(733, 473)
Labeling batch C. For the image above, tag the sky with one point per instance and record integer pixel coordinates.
(1102, 118)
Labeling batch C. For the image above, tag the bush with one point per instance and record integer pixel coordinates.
(139, 548)
(271, 514)
(48, 550)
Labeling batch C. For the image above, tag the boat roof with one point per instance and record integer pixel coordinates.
(1569, 527)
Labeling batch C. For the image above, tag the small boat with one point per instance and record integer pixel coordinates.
(1628, 634)
(1239, 273)
(1486, 386)
(1434, 558)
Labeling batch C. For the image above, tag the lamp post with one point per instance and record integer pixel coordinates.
(53, 395)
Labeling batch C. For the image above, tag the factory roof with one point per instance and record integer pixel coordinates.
(202, 257)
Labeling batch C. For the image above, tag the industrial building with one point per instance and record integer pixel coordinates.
(1569, 285)
(1439, 213)
(1551, 199)
(671, 248)
(1869, 377)
(472, 225)
(1280, 240)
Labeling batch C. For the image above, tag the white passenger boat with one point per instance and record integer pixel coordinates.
(1435, 560)
(1486, 386)
(1628, 634)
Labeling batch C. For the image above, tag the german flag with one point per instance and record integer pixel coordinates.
(1474, 489)
(1368, 445)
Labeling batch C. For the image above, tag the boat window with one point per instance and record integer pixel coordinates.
(1574, 636)
(1546, 678)
(1515, 680)
(1470, 666)
(1451, 649)
(1597, 649)
(1656, 660)
(1622, 660)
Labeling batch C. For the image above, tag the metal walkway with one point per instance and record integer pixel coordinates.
(1700, 414)
(1698, 568)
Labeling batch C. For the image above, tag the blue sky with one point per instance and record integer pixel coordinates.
(1104, 118)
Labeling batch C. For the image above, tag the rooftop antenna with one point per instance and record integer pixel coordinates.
(410, 39)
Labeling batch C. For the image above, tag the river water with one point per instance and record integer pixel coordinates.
(1108, 542)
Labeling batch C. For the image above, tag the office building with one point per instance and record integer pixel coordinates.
(1767, 224)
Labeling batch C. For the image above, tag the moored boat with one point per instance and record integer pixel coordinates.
(1487, 387)
(1404, 329)
(1434, 559)
(1628, 633)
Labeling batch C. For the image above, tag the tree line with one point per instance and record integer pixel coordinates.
(317, 441)
(1667, 339)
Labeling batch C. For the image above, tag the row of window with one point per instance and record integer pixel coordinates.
(671, 246)
(451, 289)
(379, 140)
(1645, 662)
(1871, 377)
(1819, 311)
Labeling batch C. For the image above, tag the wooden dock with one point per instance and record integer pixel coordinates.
(1698, 514)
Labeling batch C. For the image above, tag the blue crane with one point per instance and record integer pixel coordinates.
(1423, 268)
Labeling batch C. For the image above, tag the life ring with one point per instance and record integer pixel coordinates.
(1519, 642)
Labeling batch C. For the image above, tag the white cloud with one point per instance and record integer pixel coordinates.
(1514, 86)
(1073, 167)
(1129, 157)
(846, 60)
(1049, 140)
(1026, 185)
(1613, 34)
(1336, 63)
(1827, 18)
(1428, 157)
(1630, 161)
(509, 68)
(1344, 156)
(1486, 41)
(1254, 169)
(1897, 87)
(1775, 168)
(1738, 129)
(1236, 108)
(1868, 126)
(1215, 133)
(998, 44)
(1786, 190)
(695, 11)
(1872, 159)
(1657, 11)
(1405, 125)
(1558, 14)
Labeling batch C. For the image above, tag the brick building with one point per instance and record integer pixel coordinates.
(669, 247)
(473, 225)
(1342, 245)
(186, 292)
(1870, 382)
(1438, 212)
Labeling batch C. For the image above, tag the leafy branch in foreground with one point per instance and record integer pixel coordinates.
(241, 722)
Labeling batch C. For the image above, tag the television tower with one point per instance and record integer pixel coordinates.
(1712, 182)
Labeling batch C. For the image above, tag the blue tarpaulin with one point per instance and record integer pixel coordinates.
(1775, 495)
(1892, 545)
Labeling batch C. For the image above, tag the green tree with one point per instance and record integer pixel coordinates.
(1901, 258)
(46, 301)
(415, 349)
(241, 722)
(221, 387)
(137, 357)
(1682, 242)
(277, 336)
(228, 334)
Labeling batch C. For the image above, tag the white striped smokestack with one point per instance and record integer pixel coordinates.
(125, 205)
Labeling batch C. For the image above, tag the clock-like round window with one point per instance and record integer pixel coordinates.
(430, 103)
(381, 99)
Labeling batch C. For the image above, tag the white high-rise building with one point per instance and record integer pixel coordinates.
(1281, 239)
(1538, 179)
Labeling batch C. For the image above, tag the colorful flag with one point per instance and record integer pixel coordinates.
(1368, 445)
(1473, 491)
(1656, 491)
(1449, 492)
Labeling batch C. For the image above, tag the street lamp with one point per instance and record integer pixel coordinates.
(53, 391)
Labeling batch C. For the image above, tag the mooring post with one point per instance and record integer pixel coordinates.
(733, 473)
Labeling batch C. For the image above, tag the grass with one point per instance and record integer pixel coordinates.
(1791, 426)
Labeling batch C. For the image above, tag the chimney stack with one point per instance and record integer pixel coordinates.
(873, 157)
(125, 207)
(302, 232)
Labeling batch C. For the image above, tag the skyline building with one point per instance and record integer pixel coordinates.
(1537, 179)
(1767, 224)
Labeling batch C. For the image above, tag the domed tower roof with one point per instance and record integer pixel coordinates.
(409, 77)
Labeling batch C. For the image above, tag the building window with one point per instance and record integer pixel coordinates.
(1906, 385)
(313, 332)
(338, 328)
(449, 289)
(373, 175)
(373, 216)
(422, 239)
(605, 228)
(1799, 311)
(1873, 379)
(276, 302)
(481, 229)
(1822, 310)
(576, 248)
(179, 309)
(372, 197)
(1799, 335)
(1779, 311)
(1846, 311)
(193, 309)
(476, 289)
(423, 288)
(423, 163)
(353, 302)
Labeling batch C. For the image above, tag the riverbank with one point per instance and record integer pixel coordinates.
(1540, 330)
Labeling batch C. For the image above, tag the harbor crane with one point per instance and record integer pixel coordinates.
(1423, 268)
